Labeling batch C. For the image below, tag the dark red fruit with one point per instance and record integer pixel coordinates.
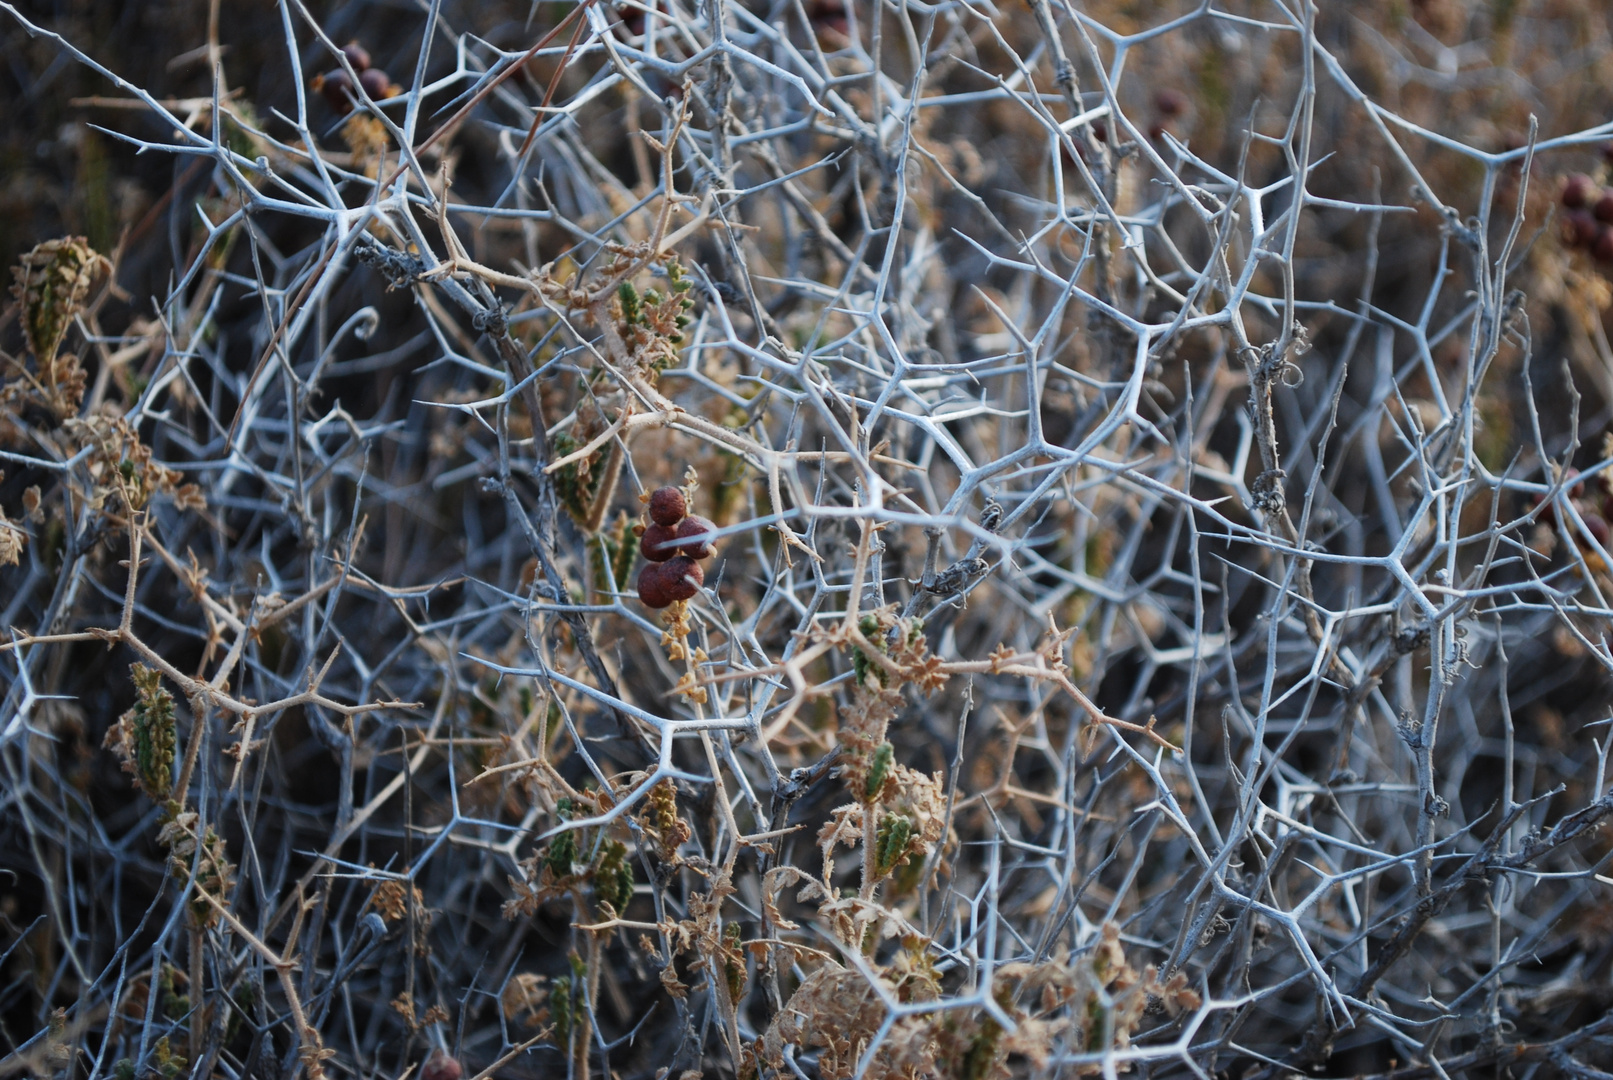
(1100, 131)
(1578, 190)
(654, 590)
(357, 55)
(1579, 228)
(1170, 102)
(650, 544)
(378, 84)
(1607, 152)
(829, 17)
(1603, 208)
(1597, 528)
(682, 577)
(1156, 132)
(633, 18)
(694, 525)
(667, 506)
(440, 1066)
(337, 90)
(1602, 248)
(1576, 489)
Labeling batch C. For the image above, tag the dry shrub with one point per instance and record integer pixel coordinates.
(1159, 463)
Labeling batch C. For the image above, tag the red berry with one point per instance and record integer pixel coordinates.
(1577, 488)
(357, 55)
(654, 591)
(1170, 102)
(650, 545)
(337, 90)
(378, 84)
(829, 16)
(667, 506)
(1578, 190)
(694, 525)
(632, 21)
(1579, 228)
(1597, 528)
(682, 577)
(440, 1066)
(1603, 246)
(1603, 208)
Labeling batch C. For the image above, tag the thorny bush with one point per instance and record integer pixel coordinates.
(948, 538)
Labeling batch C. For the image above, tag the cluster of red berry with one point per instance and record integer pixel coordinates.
(337, 88)
(1588, 224)
(673, 544)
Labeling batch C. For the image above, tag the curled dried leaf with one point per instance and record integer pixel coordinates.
(524, 1000)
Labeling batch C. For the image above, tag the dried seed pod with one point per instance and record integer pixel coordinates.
(52, 282)
(695, 525)
(1578, 190)
(682, 577)
(895, 831)
(878, 769)
(734, 961)
(144, 736)
(378, 84)
(667, 506)
(337, 90)
(650, 544)
(357, 55)
(613, 876)
(441, 1066)
(654, 591)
